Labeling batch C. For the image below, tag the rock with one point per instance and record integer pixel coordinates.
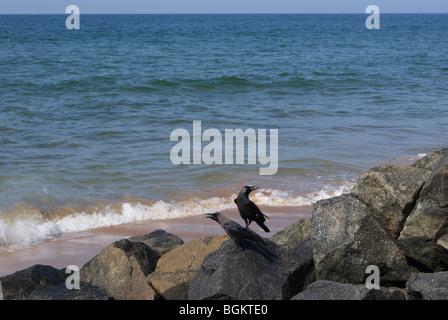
(428, 286)
(428, 222)
(121, 270)
(390, 192)
(432, 161)
(443, 241)
(441, 248)
(60, 292)
(174, 270)
(347, 239)
(330, 290)
(159, 240)
(20, 284)
(293, 235)
(253, 272)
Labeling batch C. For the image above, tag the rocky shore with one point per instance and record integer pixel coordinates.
(394, 221)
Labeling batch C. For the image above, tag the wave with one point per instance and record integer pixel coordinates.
(32, 229)
(243, 81)
(22, 225)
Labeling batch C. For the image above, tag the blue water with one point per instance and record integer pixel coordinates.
(86, 115)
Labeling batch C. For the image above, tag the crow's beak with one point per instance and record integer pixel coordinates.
(252, 188)
(211, 216)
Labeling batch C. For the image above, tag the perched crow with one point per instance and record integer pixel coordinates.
(236, 231)
(249, 210)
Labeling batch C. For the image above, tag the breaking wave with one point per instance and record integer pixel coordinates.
(30, 227)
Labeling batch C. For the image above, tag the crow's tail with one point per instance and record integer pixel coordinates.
(262, 226)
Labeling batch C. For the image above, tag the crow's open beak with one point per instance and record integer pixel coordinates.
(211, 216)
(252, 188)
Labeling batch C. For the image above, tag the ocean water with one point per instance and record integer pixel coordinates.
(86, 115)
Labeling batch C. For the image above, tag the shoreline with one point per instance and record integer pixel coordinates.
(83, 246)
(325, 258)
(79, 247)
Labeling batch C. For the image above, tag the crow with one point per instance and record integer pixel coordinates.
(233, 229)
(249, 210)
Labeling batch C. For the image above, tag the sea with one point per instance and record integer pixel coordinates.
(87, 115)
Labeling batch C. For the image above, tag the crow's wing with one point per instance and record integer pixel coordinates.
(235, 230)
(257, 211)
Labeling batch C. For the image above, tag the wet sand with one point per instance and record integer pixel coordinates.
(77, 249)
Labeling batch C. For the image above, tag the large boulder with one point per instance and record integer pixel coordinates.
(391, 191)
(19, 285)
(159, 240)
(330, 290)
(347, 239)
(86, 291)
(293, 235)
(253, 271)
(424, 233)
(428, 286)
(171, 278)
(121, 270)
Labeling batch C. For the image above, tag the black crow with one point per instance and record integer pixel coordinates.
(249, 210)
(234, 230)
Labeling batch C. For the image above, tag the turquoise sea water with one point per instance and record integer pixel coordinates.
(86, 115)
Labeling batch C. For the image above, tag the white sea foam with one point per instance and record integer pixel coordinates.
(160, 210)
(26, 231)
(32, 230)
(277, 198)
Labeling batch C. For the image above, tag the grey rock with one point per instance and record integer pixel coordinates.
(347, 239)
(432, 161)
(293, 235)
(159, 240)
(443, 241)
(428, 222)
(390, 192)
(60, 292)
(428, 286)
(253, 271)
(441, 248)
(330, 290)
(174, 270)
(20, 284)
(121, 270)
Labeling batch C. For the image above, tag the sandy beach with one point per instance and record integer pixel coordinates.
(77, 249)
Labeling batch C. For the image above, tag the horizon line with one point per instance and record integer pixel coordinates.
(218, 13)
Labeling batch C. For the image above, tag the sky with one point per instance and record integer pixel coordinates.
(222, 6)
